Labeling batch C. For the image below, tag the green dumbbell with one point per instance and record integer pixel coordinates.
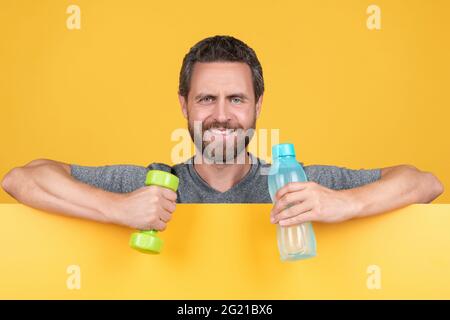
(147, 241)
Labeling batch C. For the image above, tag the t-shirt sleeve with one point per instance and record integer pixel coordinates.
(338, 178)
(114, 178)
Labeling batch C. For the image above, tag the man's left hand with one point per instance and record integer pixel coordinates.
(299, 202)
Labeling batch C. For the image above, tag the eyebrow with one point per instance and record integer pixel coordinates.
(238, 94)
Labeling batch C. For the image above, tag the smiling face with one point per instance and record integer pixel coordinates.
(222, 99)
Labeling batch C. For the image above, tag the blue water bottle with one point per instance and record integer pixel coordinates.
(294, 242)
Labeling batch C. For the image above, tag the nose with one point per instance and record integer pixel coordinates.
(221, 111)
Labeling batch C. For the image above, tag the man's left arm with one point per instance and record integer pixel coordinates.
(397, 187)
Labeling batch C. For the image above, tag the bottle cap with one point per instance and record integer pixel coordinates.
(283, 150)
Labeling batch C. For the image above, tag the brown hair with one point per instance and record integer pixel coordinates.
(221, 48)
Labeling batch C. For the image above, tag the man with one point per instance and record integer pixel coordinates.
(221, 88)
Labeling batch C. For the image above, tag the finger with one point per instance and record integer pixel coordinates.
(289, 199)
(165, 216)
(169, 194)
(299, 219)
(290, 187)
(292, 211)
(295, 210)
(160, 225)
(167, 205)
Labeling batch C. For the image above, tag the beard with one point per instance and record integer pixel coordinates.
(217, 149)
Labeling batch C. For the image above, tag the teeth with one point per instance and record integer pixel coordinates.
(222, 131)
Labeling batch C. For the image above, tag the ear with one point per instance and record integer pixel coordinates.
(183, 104)
(258, 105)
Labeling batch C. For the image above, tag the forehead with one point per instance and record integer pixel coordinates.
(217, 76)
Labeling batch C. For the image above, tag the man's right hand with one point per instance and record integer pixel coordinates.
(147, 208)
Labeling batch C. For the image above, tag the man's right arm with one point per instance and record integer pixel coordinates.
(48, 185)
(109, 194)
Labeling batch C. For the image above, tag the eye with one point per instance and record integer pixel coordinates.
(206, 99)
(236, 100)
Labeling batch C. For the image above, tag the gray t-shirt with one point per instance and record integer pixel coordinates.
(252, 188)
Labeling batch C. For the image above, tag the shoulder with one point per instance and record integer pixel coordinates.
(175, 169)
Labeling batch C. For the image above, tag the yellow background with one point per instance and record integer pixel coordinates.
(225, 251)
(343, 94)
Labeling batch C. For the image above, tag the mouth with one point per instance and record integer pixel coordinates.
(222, 132)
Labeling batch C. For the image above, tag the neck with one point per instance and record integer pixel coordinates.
(222, 176)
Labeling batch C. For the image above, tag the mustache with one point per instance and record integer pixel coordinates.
(221, 125)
